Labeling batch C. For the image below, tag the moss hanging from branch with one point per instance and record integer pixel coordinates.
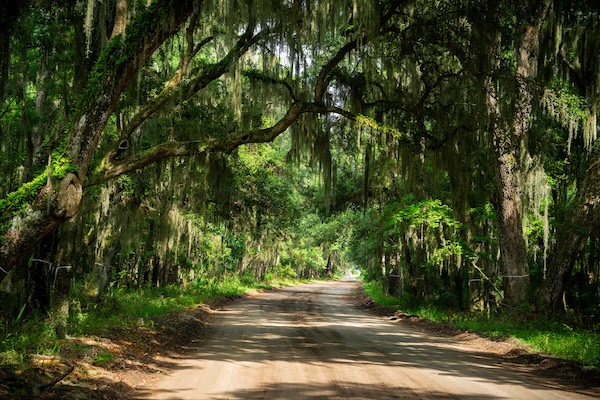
(571, 112)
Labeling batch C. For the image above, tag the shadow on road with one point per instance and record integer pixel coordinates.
(354, 391)
(317, 326)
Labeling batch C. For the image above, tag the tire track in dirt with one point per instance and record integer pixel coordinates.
(310, 341)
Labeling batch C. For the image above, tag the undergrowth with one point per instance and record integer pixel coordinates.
(118, 307)
(552, 337)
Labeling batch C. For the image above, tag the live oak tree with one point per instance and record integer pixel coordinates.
(52, 203)
(406, 110)
(575, 55)
(503, 62)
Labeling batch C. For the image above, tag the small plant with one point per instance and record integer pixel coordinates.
(286, 272)
(102, 359)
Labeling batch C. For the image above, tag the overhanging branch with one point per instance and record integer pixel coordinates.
(224, 144)
(256, 75)
(176, 86)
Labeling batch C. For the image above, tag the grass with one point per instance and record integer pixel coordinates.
(32, 336)
(118, 308)
(124, 307)
(103, 358)
(551, 337)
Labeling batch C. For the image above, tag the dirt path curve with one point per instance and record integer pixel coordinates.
(311, 342)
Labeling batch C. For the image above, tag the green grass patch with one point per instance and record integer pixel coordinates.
(103, 358)
(119, 308)
(374, 291)
(31, 336)
(124, 307)
(554, 338)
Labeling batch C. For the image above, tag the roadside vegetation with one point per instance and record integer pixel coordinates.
(151, 159)
(560, 337)
(120, 308)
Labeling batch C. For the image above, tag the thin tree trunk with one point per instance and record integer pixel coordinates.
(40, 274)
(412, 281)
(421, 251)
(581, 220)
(9, 13)
(4, 61)
(37, 132)
(393, 268)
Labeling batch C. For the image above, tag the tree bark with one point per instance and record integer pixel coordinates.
(120, 18)
(581, 220)
(113, 71)
(507, 142)
(513, 256)
(506, 146)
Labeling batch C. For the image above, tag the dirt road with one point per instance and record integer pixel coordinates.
(311, 342)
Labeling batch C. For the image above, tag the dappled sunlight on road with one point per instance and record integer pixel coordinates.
(311, 342)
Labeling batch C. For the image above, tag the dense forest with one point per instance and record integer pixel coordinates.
(445, 149)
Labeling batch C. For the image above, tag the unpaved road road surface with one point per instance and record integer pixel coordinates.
(312, 342)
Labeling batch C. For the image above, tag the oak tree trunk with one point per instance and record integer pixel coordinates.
(506, 147)
(581, 220)
(113, 71)
(507, 142)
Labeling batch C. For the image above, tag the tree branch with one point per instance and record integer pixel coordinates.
(256, 75)
(113, 71)
(174, 88)
(115, 68)
(323, 77)
(211, 145)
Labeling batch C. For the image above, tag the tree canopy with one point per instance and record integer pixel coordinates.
(445, 148)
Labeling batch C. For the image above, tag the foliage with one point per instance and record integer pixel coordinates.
(119, 308)
(390, 167)
(554, 338)
(16, 203)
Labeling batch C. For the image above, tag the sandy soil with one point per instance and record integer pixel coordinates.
(311, 341)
